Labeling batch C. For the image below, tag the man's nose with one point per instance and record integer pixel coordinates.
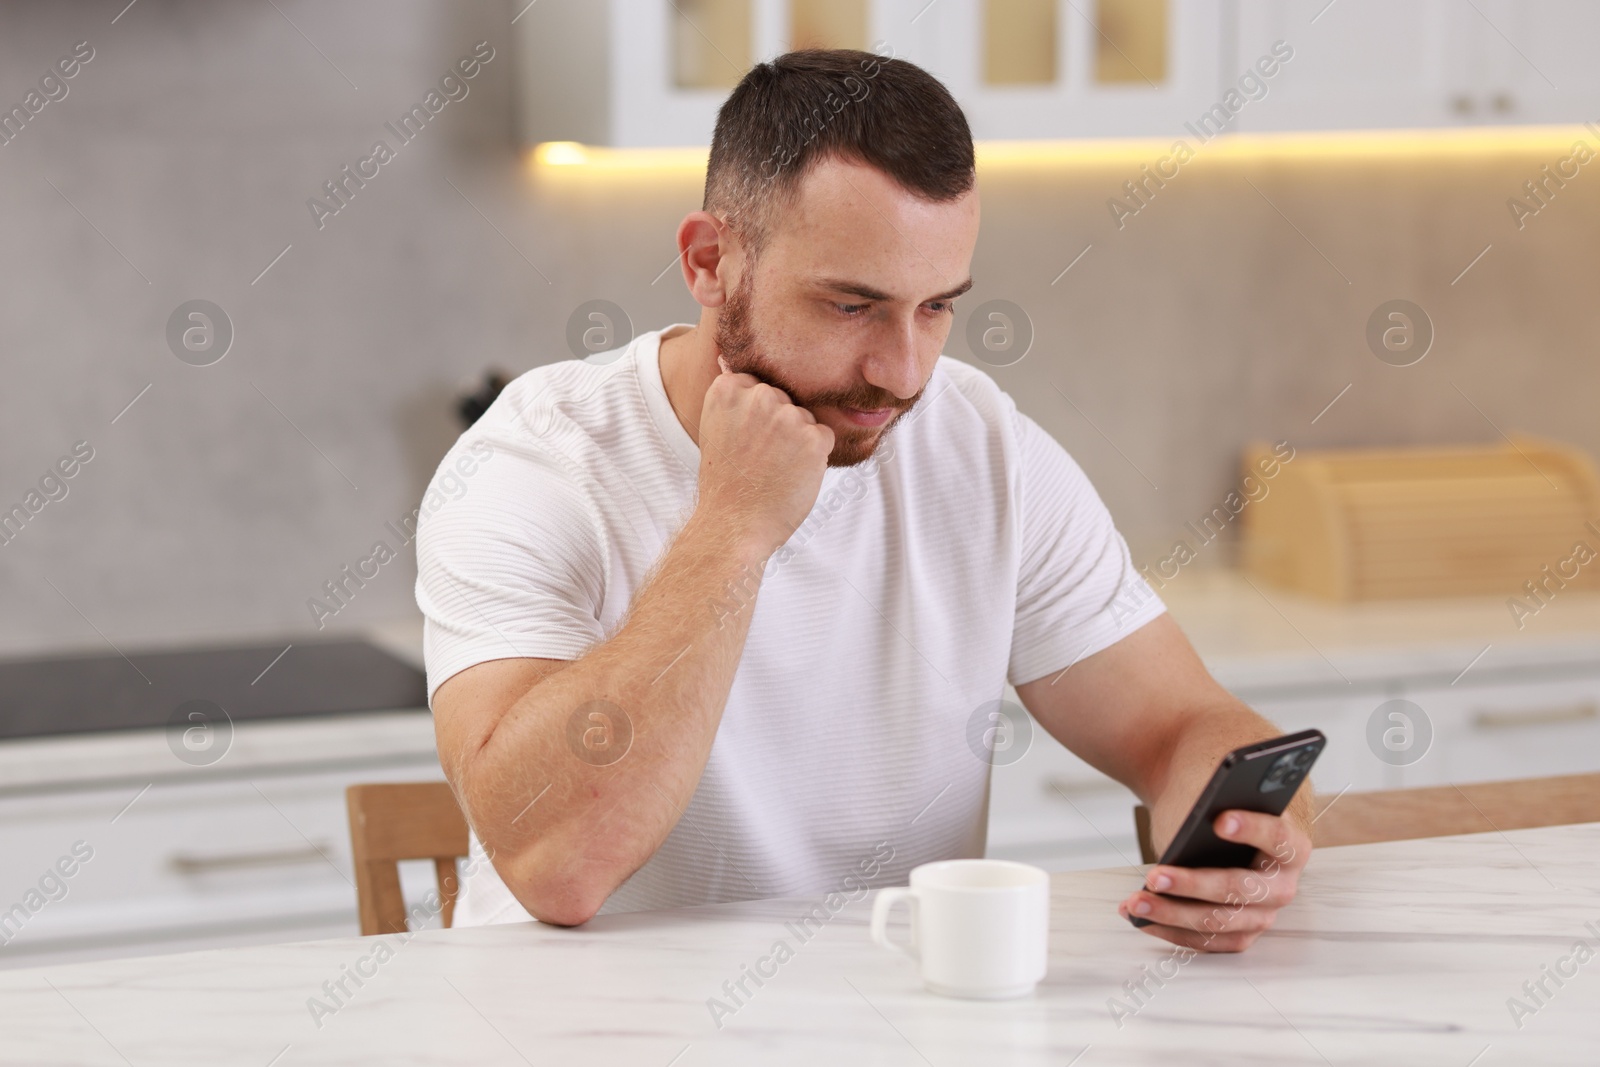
(895, 365)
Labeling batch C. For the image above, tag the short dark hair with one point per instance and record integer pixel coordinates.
(787, 115)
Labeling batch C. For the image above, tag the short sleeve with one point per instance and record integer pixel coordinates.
(1077, 589)
(510, 560)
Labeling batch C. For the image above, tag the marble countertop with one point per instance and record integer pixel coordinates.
(1399, 953)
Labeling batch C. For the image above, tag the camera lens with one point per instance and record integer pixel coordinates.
(1281, 771)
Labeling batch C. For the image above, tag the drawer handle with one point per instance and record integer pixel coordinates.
(1536, 716)
(187, 863)
(1073, 787)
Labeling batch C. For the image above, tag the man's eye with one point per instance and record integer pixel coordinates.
(852, 309)
(939, 307)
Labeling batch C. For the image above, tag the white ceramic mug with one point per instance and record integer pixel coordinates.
(979, 928)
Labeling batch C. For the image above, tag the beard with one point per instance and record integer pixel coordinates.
(736, 343)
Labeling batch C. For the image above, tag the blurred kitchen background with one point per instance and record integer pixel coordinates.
(1168, 326)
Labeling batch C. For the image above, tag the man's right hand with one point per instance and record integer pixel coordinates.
(762, 458)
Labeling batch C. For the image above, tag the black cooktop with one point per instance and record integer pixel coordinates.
(83, 694)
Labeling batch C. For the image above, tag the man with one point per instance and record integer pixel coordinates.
(713, 618)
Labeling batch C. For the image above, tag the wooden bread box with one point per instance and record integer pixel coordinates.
(1373, 524)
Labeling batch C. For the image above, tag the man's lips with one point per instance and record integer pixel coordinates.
(867, 418)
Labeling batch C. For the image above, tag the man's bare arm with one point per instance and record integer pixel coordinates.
(562, 830)
(503, 731)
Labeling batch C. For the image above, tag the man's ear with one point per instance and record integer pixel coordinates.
(710, 257)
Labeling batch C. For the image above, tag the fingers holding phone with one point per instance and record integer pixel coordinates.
(1236, 859)
(1224, 909)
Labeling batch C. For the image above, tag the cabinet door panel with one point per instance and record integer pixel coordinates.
(1509, 730)
(1357, 64)
(181, 860)
(1534, 63)
(948, 37)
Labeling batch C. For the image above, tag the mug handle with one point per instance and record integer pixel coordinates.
(887, 899)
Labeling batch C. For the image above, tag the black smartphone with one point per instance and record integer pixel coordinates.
(1260, 777)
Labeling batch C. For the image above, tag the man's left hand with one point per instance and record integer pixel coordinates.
(1224, 909)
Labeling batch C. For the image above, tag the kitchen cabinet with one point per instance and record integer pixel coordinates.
(1498, 725)
(254, 848)
(1053, 809)
(1538, 727)
(1364, 64)
(1361, 64)
(636, 73)
(1483, 702)
(600, 72)
(1081, 98)
(640, 73)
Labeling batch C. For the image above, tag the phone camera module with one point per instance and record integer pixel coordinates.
(1285, 771)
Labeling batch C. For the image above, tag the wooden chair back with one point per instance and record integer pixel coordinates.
(1438, 811)
(391, 822)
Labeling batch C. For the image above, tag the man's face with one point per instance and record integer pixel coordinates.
(853, 302)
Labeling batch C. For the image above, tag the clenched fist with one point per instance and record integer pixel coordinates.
(762, 458)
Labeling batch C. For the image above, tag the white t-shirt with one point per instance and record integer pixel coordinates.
(970, 551)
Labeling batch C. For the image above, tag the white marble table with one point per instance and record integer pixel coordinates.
(1401, 953)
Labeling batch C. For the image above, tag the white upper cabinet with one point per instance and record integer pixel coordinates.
(1375, 64)
(1538, 62)
(1356, 64)
(653, 72)
(1028, 69)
